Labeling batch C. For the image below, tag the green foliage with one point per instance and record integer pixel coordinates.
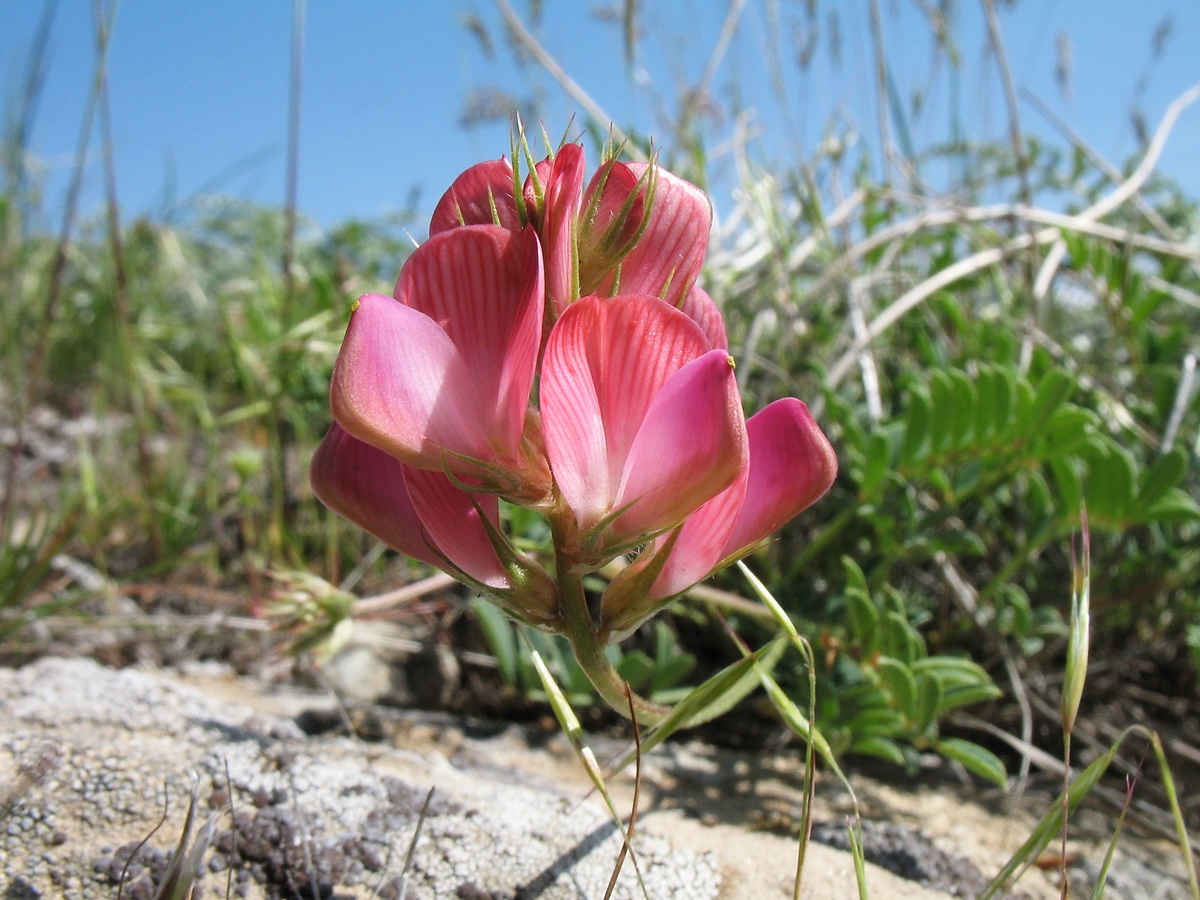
(656, 675)
(886, 695)
(971, 426)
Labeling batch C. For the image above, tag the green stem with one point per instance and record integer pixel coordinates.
(585, 643)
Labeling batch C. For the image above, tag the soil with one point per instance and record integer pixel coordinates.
(940, 831)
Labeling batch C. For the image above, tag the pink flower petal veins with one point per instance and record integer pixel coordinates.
(454, 525)
(365, 485)
(400, 384)
(483, 285)
(699, 306)
(791, 465)
(605, 362)
(667, 258)
(691, 446)
(557, 232)
(474, 194)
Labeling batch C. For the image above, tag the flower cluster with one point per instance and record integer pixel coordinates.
(549, 346)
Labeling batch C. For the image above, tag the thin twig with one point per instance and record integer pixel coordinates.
(626, 844)
(1153, 216)
(1183, 399)
(882, 104)
(401, 596)
(982, 260)
(58, 270)
(291, 187)
(568, 84)
(702, 87)
(125, 329)
(1014, 121)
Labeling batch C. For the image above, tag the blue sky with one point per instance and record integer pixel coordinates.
(199, 89)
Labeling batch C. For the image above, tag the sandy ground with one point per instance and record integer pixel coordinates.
(743, 807)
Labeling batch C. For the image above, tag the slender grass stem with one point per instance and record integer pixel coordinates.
(36, 361)
(147, 470)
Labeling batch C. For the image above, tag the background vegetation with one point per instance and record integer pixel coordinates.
(995, 335)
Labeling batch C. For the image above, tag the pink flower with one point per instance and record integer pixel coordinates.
(642, 419)
(549, 346)
(440, 376)
(791, 465)
(422, 514)
(637, 229)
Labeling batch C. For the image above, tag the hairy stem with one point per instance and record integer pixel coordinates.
(585, 643)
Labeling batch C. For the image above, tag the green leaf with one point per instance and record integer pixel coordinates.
(1004, 402)
(980, 760)
(1175, 508)
(1069, 427)
(1110, 485)
(898, 679)
(880, 747)
(956, 697)
(1166, 473)
(854, 575)
(1069, 485)
(714, 697)
(966, 399)
(882, 721)
(952, 671)
(862, 695)
(501, 638)
(916, 427)
(942, 413)
(929, 699)
(1016, 427)
(986, 387)
(1053, 389)
(876, 463)
(864, 620)
(636, 668)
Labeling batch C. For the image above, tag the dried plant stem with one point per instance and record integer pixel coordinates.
(932, 218)
(1153, 216)
(982, 260)
(1014, 121)
(292, 178)
(146, 470)
(404, 595)
(1066, 814)
(695, 96)
(58, 269)
(882, 104)
(522, 35)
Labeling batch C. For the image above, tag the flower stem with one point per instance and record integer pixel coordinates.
(585, 643)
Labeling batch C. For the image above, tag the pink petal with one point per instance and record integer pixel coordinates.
(474, 194)
(791, 465)
(699, 306)
(690, 447)
(400, 383)
(483, 285)
(454, 525)
(701, 542)
(563, 197)
(605, 362)
(668, 256)
(365, 485)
